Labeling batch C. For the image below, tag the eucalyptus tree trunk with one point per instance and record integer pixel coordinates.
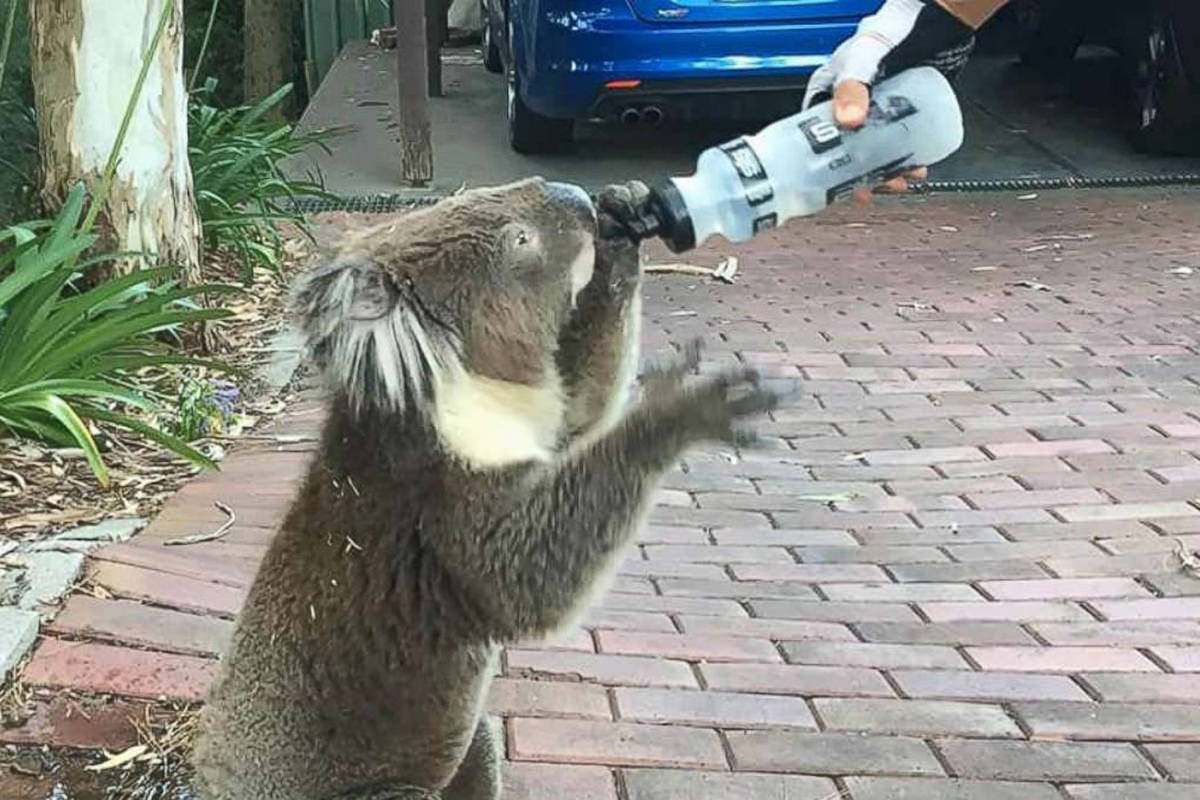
(86, 58)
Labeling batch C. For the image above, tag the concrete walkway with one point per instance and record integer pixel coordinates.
(1018, 126)
(950, 576)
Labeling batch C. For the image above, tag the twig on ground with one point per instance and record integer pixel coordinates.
(679, 269)
(282, 438)
(724, 272)
(197, 538)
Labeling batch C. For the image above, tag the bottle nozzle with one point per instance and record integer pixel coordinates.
(665, 215)
(674, 223)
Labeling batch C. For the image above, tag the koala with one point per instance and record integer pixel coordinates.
(483, 465)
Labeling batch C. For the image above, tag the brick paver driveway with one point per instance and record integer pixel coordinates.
(952, 573)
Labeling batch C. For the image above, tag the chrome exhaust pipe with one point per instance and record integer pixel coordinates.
(631, 116)
(652, 115)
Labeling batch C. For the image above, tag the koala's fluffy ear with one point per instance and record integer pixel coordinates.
(371, 337)
(331, 294)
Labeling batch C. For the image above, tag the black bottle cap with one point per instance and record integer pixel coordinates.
(674, 221)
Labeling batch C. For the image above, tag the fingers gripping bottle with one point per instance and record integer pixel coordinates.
(800, 164)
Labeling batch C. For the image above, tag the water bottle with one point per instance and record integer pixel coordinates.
(802, 163)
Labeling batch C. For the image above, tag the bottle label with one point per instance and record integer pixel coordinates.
(821, 134)
(766, 221)
(756, 186)
(894, 108)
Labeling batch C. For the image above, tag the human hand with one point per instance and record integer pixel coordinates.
(851, 99)
(901, 34)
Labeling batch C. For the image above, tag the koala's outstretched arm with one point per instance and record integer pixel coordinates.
(535, 561)
(599, 349)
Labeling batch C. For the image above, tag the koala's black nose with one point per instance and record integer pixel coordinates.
(574, 197)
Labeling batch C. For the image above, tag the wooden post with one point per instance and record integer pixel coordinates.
(436, 12)
(412, 74)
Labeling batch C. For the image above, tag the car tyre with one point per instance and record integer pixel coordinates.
(1165, 115)
(492, 58)
(529, 132)
(1048, 33)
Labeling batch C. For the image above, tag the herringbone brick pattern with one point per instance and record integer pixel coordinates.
(954, 571)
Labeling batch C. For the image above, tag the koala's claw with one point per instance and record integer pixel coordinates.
(726, 398)
(621, 222)
(623, 210)
(691, 354)
(666, 377)
(759, 402)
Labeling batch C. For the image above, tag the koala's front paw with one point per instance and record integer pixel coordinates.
(714, 408)
(666, 378)
(618, 265)
(623, 209)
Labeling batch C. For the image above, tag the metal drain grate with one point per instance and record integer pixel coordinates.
(1069, 182)
(385, 203)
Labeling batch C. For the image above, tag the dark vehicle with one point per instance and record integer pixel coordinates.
(1159, 45)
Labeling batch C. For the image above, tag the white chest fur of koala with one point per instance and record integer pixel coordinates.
(479, 355)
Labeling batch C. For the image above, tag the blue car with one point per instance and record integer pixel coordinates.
(645, 61)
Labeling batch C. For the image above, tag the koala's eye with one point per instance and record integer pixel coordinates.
(520, 238)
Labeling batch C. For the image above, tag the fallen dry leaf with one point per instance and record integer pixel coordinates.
(726, 271)
(1189, 560)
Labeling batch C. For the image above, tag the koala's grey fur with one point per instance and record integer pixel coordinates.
(479, 473)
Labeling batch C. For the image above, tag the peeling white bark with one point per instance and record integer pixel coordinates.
(87, 57)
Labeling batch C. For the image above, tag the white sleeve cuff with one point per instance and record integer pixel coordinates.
(859, 57)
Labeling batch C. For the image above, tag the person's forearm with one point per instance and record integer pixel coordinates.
(899, 35)
(972, 12)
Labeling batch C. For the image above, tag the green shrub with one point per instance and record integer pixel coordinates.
(18, 146)
(71, 357)
(203, 407)
(68, 358)
(241, 192)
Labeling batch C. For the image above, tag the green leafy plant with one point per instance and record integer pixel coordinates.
(18, 159)
(203, 407)
(69, 358)
(19, 145)
(241, 192)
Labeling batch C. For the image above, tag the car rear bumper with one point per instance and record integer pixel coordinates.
(734, 96)
(685, 66)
